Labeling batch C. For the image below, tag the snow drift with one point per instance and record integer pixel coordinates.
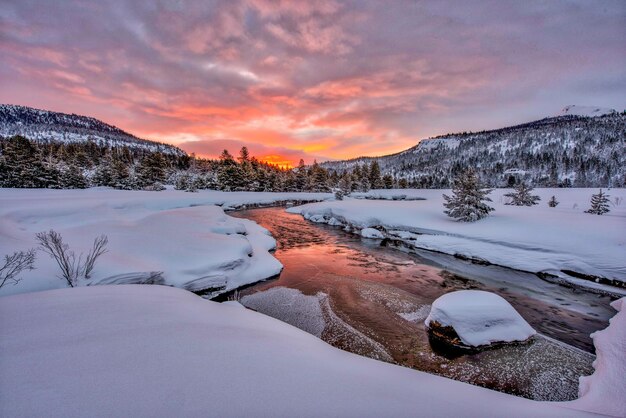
(170, 237)
(151, 351)
(604, 391)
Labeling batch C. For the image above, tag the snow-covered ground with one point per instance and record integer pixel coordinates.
(604, 391)
(159, 351)
(535, 239)
(479, 318)
(183, 235)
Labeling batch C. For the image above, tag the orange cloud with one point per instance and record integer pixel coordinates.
(323, 79)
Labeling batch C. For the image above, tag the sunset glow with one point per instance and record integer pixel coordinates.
(313, 80)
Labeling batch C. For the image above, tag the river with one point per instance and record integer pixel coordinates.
(371, 300)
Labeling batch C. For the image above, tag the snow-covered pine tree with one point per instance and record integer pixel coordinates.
(599, 204)
(230, 176)
(388, 181)
(318, 180)
(73, 178)
(103, 175)
(345, 183)
(122, 176)
(301, 177)
(553, 202)
(152, 170)
(467, 204)
(375, 180)
(181, 180)
(522, 197)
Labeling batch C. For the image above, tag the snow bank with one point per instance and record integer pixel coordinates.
(604, 391)
(185, 236)
(371, 233)
(157, 351)
(535, 239)
(479, 318)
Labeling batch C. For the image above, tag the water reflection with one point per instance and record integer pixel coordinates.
(373, 302)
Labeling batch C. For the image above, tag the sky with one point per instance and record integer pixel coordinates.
(319, 79)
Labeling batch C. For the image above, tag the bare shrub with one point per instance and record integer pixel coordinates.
(72, 267)
(99, 248)
(14, 264)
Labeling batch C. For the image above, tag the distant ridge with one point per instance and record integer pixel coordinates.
(48, 126)
(583, 147)
(588, 111)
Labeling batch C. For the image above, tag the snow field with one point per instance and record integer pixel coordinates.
(185, 236)
(155, 351)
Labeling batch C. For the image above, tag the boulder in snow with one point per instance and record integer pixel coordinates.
(474, 318)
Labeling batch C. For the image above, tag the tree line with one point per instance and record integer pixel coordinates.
(31, 164)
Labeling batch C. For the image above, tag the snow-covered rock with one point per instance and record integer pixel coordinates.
(604, 391)
(155, 351)
(479, 318)
(371, 233)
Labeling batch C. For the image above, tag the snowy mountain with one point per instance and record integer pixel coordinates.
(568, 150)
(48, 126)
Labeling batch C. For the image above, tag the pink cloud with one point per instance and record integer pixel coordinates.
(327, 78)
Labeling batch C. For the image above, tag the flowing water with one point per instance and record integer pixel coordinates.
(362, 297)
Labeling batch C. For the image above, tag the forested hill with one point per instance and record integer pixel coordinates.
(569, 150)
(46, 126)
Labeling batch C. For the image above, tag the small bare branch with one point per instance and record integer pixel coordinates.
(14, 264)
(51, 243)
(99, 248)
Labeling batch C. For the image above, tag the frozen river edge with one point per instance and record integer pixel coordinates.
(565, 246)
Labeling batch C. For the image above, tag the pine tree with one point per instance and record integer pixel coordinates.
(376, 182)
(152, 170)
(363, 180)
(553, 202)
(230, 176)
(345, 183)
(244, 155)
(121, 175)
(104, 175)
(73, 178)
(22, 164)
(181, 180)
(522, 197)
(599, 204)
(388, 181)
(467, 204)
(301, 177)
(290, 181)
(318, 178)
